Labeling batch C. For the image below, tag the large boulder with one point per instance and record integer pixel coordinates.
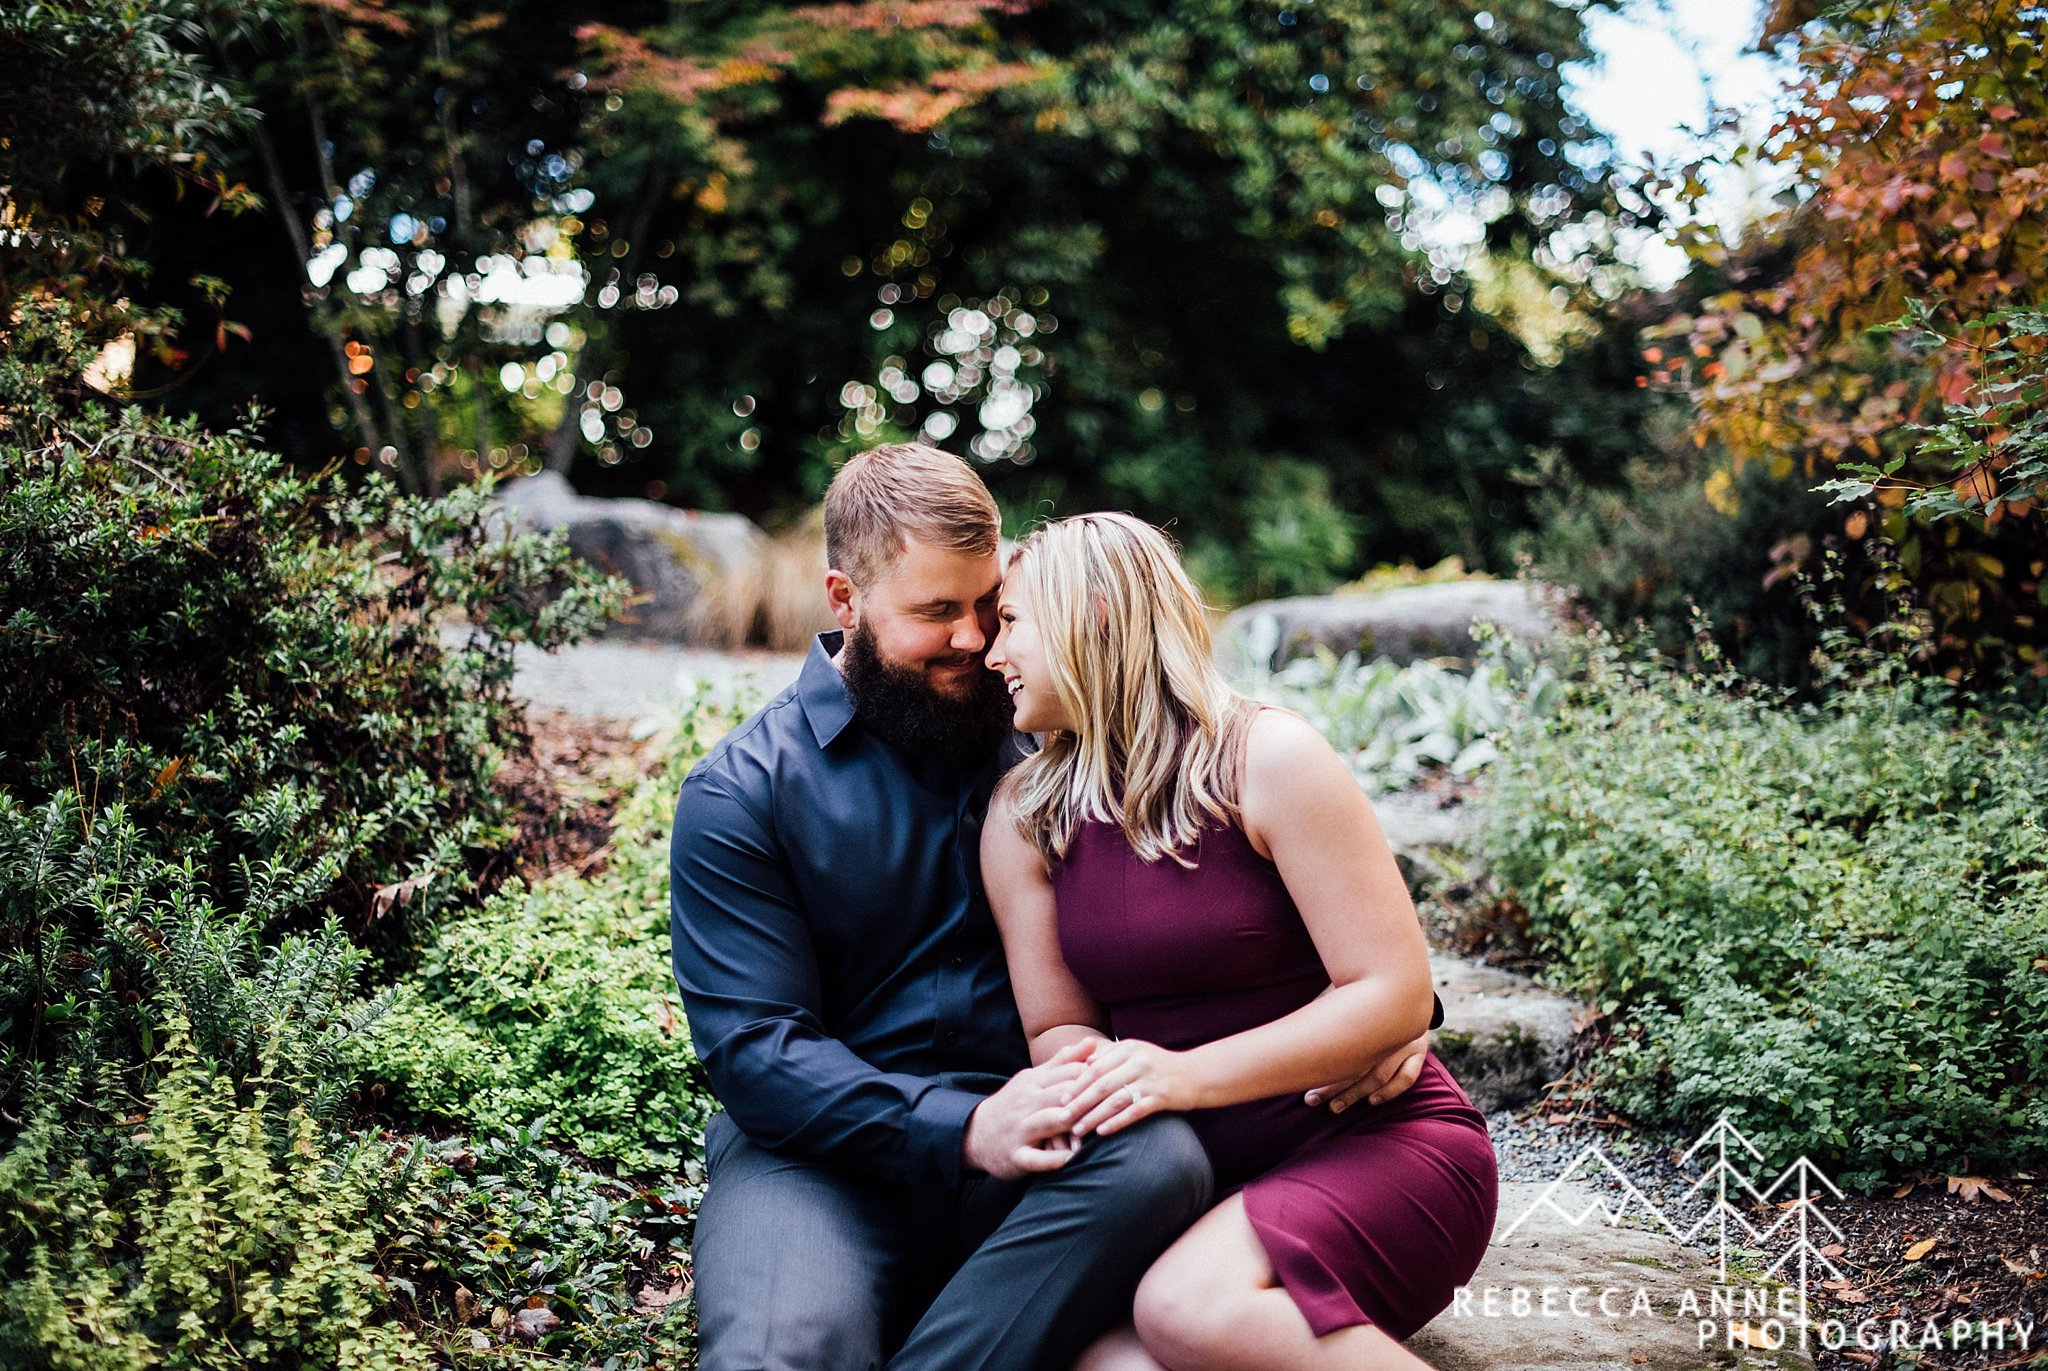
(698, 576)
(1406, 624)
(1504, 1037)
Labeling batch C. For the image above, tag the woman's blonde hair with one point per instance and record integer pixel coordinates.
(1159, 738)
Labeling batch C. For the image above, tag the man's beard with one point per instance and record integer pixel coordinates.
(898, 704)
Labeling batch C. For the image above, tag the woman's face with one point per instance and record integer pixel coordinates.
(1019, 658)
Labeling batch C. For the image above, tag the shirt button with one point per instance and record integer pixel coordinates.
(959, 962)
(949, 1037)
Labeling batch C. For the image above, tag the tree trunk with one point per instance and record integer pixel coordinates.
(323, 322)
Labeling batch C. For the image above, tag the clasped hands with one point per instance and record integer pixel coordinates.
(1097, 1085)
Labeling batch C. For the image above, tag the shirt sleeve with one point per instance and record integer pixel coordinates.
(748, 971)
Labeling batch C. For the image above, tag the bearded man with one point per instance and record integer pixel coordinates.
(891, 1182)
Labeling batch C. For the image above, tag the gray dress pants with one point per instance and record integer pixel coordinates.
(802, 1268)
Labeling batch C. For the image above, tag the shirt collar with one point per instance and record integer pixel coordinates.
(822, 690)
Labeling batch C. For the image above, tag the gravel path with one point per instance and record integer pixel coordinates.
(1530, 1148)
(621, 680)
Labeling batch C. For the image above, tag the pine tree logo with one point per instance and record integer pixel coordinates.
(1802, 1212)
(1724, 1177)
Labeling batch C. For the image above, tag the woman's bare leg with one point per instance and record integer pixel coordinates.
(1213, 1303)
(1117, 1350)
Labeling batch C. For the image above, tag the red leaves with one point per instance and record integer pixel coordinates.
(364, 13)
(1927, 190)
(891, 15)
(1952, 383)
(388, 897)
(918, 109)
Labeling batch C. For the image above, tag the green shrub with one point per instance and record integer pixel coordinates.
(219, 1228)
(233, 748)
(1392, 722)
(137, 940)
(555, 999)
(472, 1232)
(211, 1230)
(1829, 920)
(223, 687)
(1654, 549)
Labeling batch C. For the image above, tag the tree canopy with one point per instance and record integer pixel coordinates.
(1294, 278)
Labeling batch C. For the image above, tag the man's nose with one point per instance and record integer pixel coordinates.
(967, 634)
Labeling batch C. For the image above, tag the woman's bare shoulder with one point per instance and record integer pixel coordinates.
(1279, 742)
(1288, 767)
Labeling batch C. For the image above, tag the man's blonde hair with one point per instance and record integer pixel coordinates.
(1158, 740)
(889, 495)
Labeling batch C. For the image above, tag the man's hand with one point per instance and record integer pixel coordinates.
(1022, 1128)
(1395, 1073)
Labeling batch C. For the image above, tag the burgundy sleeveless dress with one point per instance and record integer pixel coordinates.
(1375, 1215)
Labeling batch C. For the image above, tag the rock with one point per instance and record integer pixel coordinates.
(701, 574)
(1546, 1252)
(531, 1325)
(1503, 1037)
(1430, 839)
(1406, 623)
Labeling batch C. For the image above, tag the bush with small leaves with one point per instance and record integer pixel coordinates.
(238, 677)
(555, 999)
(211, 1230)
(1828, 920)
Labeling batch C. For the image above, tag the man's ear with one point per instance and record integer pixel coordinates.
(839, 593)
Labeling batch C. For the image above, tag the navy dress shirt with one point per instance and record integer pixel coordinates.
(831, 940)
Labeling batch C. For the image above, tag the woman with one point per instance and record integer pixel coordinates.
(1203, 880)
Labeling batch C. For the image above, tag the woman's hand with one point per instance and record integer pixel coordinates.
(1396, 1071)
(1123, 1082)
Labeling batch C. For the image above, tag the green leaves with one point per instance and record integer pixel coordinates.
(1392, 723)
(556, 999)
(1788, 906)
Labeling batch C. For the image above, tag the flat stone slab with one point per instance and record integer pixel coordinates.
(1404, 624)
(1416, 820)
(1433, 842)
(1517, 1313)
(1504, 1037)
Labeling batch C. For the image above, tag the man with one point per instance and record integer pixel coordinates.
(891, 1181)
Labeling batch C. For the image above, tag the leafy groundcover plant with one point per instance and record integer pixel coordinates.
(1828, 920)
(1393, 723)
(242, 773)
(555, 999)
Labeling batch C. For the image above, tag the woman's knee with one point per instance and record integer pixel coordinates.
(1187, 1317)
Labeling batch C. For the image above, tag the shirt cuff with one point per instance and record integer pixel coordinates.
(937, 1129)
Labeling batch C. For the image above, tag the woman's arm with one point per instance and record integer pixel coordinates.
(1304, 811)
(1055, 1010)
